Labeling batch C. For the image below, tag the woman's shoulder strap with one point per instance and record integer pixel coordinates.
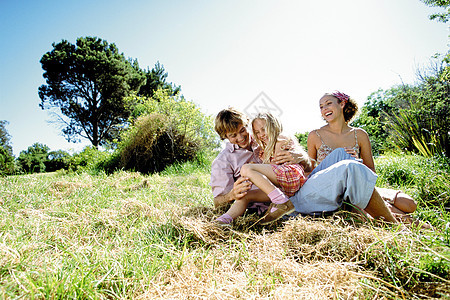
(320, 137)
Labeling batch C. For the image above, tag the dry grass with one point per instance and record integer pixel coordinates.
(304, 259)
(151, 237)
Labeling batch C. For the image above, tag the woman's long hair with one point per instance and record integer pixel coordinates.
(273, 129)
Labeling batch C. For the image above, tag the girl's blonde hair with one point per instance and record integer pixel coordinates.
(273, 129)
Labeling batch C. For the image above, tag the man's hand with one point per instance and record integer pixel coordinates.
(286, 155)
(240, 188)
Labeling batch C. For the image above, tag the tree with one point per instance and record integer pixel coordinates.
(156, 79)
(57, 160)
(6, 153)
(412, 118)
(4, 136)
(85, 85)
(373, 118)
(443, 16)
(33, 159)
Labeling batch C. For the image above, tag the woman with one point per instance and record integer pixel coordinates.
(338, 109)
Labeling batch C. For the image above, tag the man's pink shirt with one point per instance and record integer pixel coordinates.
(226, 168)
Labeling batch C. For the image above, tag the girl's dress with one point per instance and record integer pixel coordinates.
(290, 176)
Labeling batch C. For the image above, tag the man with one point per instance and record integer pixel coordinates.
(226, 181)
(322, 192)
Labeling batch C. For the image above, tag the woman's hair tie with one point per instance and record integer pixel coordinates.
(341, 96)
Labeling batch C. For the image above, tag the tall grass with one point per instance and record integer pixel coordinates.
(411, 130)
(130, 236)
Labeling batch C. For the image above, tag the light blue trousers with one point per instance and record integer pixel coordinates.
(338, 178)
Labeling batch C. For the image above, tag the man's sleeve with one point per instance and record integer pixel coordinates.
(222, 177)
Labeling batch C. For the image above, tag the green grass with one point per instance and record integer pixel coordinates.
(130, 236)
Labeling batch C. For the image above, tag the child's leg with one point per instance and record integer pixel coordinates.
(263, 176)
(239, 206)
(237, 209)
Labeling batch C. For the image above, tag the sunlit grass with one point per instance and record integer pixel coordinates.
(126, 235)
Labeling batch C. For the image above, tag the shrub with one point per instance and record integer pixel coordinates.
(183, 115)
(412, 118)
(302, 139)
(372, 119)
(153, 143)
(164, 129)
(88, 159)
(7, 165)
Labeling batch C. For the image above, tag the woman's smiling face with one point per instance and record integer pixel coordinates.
(330, 108)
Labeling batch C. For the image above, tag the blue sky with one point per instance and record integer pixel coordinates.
(222, 52)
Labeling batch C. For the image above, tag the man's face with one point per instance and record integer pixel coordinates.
(239, 137)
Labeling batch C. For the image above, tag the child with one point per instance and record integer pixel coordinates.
(267, 177)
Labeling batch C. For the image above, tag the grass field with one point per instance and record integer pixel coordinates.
(129, 236)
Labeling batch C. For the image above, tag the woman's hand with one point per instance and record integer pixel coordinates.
(352, 152)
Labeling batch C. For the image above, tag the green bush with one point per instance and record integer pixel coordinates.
(184, 116)
(302, 139)
(89, 159)
(412, 118)
(165, 129)
(7, 165)
(372, 119)
(153, 143)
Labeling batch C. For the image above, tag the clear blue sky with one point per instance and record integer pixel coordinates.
(222, 52)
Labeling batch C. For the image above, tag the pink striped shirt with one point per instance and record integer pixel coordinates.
(226, 168)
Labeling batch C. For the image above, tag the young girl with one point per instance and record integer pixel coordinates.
(338, 109)
(277, 181)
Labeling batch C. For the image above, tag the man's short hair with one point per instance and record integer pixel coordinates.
(228, 120)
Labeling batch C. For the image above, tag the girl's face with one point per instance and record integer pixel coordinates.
(259, 130)
(330, 108)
